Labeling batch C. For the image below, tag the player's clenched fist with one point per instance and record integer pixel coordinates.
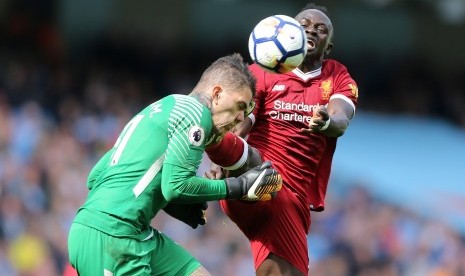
(259, 183)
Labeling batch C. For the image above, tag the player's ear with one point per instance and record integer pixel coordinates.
(329, 48)
(216, 93)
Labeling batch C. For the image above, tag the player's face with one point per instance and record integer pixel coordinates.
(319, 29)
(230, 108)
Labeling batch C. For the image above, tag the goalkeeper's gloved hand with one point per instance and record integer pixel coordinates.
(191, 214)
(258, 184)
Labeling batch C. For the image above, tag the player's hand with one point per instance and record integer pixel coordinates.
(258, 184)
(191, 214)
(318, 121)
(215, 172)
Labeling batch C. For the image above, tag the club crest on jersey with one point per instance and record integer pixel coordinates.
(196, 135)
(326, 89)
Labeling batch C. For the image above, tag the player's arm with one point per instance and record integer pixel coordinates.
(259, 183)
(332, 120)
(180, 183)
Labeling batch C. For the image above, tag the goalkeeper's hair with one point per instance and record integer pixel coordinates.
(229, 70)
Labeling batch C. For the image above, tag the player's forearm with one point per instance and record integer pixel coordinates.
(195, 189)
(339, 112)
(338, 124)
(259, 183)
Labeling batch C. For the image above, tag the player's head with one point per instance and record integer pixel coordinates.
(318, 28)
(229, 88)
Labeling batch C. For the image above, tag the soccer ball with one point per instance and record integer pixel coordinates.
(278, 44)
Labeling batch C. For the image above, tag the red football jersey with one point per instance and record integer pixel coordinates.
(284, 105)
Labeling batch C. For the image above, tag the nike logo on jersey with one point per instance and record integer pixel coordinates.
(278, 87)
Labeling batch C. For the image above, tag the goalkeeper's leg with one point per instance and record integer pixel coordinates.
(232, 157)
(254, 159)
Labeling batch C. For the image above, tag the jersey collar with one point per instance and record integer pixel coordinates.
(308, 75)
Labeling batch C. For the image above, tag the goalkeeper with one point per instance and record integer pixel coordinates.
(153, 165)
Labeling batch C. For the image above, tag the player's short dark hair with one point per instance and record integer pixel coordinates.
(313, 6)
(232, 71)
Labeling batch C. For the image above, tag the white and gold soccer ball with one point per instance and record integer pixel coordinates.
(278, 44)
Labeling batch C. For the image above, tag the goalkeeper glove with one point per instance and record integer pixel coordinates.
(191, 214)
(260, 183)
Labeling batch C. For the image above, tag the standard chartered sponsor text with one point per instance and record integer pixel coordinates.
(286, 106)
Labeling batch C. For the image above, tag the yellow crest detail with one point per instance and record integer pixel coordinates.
(326, 89)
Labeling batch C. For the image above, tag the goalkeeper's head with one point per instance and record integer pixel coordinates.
(227, 88)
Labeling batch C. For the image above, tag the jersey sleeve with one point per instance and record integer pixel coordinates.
(345, 87)
(189, 125)
(179, 185)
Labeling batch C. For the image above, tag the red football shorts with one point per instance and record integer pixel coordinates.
(277, 226)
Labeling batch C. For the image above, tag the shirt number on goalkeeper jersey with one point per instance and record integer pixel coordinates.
(124, 138)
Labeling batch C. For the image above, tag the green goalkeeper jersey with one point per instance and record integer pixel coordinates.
(153, 161)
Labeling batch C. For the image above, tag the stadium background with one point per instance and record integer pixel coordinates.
(73, 72)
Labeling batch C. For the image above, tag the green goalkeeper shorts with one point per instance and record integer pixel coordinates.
(93, 252)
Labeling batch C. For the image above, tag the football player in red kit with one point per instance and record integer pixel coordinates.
(296, 122)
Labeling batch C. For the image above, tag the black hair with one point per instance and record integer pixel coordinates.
(313, 6)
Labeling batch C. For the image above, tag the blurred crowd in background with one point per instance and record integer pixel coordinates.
(59, 112)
